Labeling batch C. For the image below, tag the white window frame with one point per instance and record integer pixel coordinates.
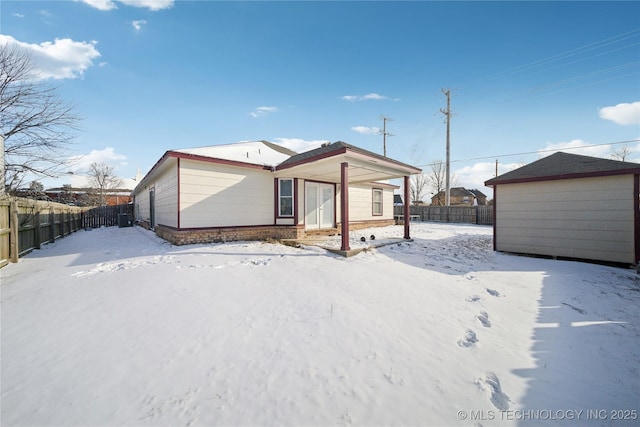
(375, 202)
(280, 197)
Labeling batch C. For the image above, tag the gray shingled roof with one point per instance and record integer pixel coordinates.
(565, 166)
(456, 192)
(336, 147)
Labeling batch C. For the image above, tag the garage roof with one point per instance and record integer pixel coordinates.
(565, 166)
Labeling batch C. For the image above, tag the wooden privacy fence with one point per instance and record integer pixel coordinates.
(457, 214)
(27, 224)
(106, 216)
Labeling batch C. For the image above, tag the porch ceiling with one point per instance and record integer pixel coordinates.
(361, 169)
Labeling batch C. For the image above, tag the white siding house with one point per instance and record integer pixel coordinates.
(569, 206)
(258, 190)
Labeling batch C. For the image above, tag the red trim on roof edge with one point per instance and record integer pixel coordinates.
(494, 182)
(206, 159)
(336, 152)
(178, 155)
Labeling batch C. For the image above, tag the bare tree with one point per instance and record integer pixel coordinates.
(36, 124)
(417, 183)
(418, 187)
(621, 153)
(102, 178)
(66, 195)
(437, 181)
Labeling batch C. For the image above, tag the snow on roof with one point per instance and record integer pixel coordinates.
(254, 152)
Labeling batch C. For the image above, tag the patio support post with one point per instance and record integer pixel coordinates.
(407, 212)
(344, 205)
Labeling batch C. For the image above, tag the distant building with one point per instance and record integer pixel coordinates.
(87, 196)
(460, 196)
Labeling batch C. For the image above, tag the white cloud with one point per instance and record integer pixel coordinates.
(78, 168)
(373, 96)
(100, 4)
(18, 15)
(622, 114)
(474, 176)
(60, 59)
(576, 146)
(80, 163)
(149, 4)
(111, 4)
(367, 97)
(263, 111)
(137, 25)
(366, 130)
(299, 145)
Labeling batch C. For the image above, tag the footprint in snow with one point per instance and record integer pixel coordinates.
(468, 339)
(491, 385)
(483, 318)
(493, 292)
(473, 298)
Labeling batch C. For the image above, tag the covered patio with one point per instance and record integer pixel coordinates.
(345, 165)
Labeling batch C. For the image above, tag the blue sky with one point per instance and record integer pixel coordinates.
(148, 76)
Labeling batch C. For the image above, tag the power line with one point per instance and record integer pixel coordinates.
(583, 76)
(563, 55)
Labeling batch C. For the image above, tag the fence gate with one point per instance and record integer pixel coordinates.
(105, 216)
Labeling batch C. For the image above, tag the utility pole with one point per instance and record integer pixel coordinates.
(447, 114)
(384, 133)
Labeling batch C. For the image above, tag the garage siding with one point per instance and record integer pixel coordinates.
(589, 218)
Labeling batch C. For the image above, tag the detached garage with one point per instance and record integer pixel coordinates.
(569, 206)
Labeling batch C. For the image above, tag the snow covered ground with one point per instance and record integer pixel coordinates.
(115, 327)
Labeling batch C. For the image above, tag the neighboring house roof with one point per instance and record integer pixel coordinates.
(565, 166)
(75, 190)
(457, 192)
(479, 194)
(397, 199)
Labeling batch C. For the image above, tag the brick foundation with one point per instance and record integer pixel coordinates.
(265, 232)
(227, 234)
